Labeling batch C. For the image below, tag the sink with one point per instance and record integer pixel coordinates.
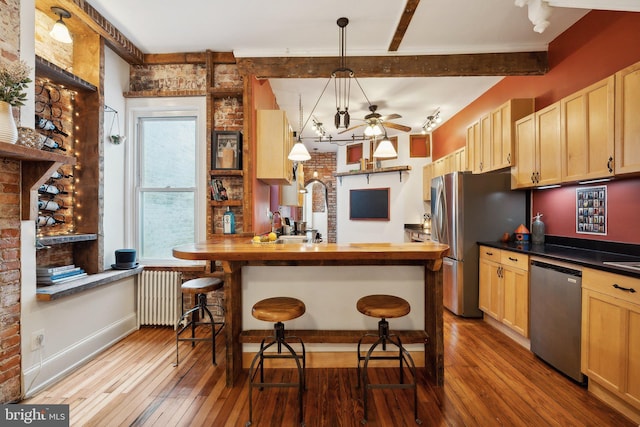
(291, 239)
(633, 265)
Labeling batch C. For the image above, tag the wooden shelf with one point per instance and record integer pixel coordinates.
(368, 172)
(226, 172)
(20, 152)
(51, 71)
(226, 92)
(53, 292)
(66, 238)
(218, 203)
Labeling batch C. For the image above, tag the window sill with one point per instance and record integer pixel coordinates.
(53, 292)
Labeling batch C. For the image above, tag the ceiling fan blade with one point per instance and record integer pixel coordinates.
(351, 128)
(390, 117)
(397, 126)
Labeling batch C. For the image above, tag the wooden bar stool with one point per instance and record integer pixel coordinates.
(277, 309)
(385, 307)
(196, 316)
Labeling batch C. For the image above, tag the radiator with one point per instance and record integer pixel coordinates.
(159, 298)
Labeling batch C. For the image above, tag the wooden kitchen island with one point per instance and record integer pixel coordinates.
(234, 254)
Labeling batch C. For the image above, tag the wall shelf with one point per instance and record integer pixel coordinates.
(218, 203)
(51, 71)
(66, 238)
(369, 172)
(226, 172)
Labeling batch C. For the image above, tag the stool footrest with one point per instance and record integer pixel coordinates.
(332, 336)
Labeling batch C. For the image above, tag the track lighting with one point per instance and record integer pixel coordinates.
(431, 122)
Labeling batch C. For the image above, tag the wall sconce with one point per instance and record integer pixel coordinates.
(60, 32)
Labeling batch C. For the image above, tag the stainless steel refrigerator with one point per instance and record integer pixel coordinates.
(467, 209)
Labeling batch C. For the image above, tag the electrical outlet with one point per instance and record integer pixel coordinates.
(37, 340)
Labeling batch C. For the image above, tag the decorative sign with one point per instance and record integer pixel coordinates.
(591, 210)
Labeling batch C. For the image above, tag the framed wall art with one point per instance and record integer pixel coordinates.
(226, 150)
(591, 210)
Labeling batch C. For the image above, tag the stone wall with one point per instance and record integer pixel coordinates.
(9, 230)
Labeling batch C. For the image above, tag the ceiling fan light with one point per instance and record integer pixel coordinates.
(385, 149)
(299, 153)
(369, 130)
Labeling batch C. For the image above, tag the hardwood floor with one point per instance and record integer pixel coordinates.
(489, 381)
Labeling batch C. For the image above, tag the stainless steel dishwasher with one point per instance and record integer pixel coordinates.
(555, 315)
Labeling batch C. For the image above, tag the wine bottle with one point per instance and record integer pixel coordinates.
(50, 205)
(50, 143)
(49, 220)
(59, 175)
(46, 124)
(51, 189)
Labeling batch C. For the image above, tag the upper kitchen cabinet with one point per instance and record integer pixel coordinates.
(274, 141)
(427, 175)
(627, 139)
(473, 140)
(588, 132)
(494, 135)
(537, 149)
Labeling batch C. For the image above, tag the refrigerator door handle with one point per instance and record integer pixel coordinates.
(440, 214)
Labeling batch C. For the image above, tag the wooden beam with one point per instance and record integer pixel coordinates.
(82, 11)
(405, 20)
(479, 64)
(175, 58)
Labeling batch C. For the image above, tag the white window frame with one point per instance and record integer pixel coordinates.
(164, 107)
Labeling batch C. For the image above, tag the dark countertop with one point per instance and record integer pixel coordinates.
(574, 251)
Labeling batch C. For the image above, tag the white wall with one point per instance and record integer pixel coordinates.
(406, 204)
(77, 327)
(116, 82)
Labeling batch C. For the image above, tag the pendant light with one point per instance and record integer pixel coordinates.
(299, 152)
(60, 32)
(385, 149)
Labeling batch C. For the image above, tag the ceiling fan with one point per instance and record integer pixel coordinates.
(375, 123)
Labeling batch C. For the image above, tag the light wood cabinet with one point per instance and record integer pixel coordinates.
(492, 138)
(504, 287)
(473, 139)
(610, 339)
(537, 151)
(515, 283)
(274, 140)
(427, 175)
(587, 118)
(627, 126)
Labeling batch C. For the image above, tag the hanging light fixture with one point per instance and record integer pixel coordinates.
(385, 149)
(60, 32)
(431, 122)
(299, 152)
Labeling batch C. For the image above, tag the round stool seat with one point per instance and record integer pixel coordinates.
(278, 309)
(383, 306)
(202, 285)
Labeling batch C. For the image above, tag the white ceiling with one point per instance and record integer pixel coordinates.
(255, 28)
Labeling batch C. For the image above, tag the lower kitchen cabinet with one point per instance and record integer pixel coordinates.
(504, 287)
(611, 339)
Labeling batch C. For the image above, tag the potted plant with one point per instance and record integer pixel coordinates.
(14, 79)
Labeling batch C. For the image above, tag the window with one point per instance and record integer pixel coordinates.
(169, 163)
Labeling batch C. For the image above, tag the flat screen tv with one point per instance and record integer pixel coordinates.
(370, 204)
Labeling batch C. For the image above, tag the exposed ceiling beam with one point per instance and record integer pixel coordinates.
(405, 20)
(82, 11)
(481, 64)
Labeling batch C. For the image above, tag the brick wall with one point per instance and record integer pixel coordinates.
(325, 165)
(9, 230)
(9, 280)
(188, 78)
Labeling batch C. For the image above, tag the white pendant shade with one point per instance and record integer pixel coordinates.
(60, 32)
(385, 149)
(299, 153)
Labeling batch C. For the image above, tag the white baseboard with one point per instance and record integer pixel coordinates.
(55, 367)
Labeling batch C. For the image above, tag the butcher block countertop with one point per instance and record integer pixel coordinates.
(245, 250)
